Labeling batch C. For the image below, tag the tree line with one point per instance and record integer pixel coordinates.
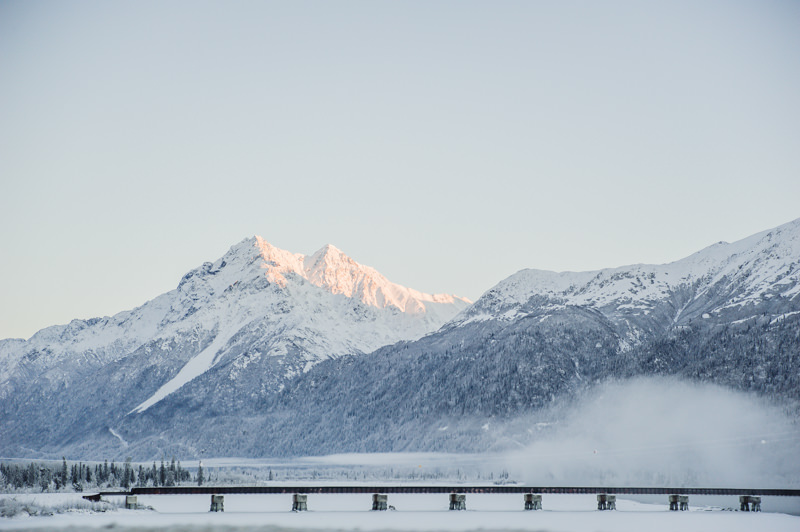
(48, 476)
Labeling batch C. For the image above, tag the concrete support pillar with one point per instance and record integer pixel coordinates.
(131, 502)
(299, 502)
(380, 502)
(683, 502)
(755, 503)
(678, 502)
(458, 501)
(673, 503)
(217, 503)
(533, 501)
(749, 503)
(606, 501)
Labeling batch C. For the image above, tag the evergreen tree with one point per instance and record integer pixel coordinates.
(127, 473)
(200, 477)
(63, 471)
(75, 477)
(180, 476)
(172, 473)
(44, 480)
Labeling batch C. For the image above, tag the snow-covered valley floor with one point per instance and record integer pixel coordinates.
(561, 513)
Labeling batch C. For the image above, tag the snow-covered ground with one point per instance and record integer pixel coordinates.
(562, 513)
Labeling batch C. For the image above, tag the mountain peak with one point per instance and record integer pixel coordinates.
(329, 256)
(330, 249)
(331, 269)
(278, 262)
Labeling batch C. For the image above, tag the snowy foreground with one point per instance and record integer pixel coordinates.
(562, 513)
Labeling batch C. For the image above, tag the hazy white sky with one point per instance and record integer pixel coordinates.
(447, 144)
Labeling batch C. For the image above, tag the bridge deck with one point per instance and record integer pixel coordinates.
(378, 488)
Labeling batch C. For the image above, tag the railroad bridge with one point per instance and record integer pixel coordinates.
(531, 496)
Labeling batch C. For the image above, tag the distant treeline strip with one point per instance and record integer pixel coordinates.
(79, 476)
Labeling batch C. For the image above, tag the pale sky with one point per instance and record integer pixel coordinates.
(446, 144)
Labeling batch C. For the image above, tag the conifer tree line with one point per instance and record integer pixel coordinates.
(79, 476)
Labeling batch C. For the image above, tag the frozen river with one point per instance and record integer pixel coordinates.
(424, 512)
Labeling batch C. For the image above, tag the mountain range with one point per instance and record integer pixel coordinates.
(266, 353)
(250, 321)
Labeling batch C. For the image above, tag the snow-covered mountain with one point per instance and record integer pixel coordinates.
(723, 283)
(257, 317)
(263, 301)
(245, 357)
(728, 315)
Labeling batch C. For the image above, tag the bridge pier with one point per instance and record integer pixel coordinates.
(749, 503)
(380, 502)
(533, 501)
(755, 504)
(458, 501)
(131, 502)
(299, 502)
(683, 501)
(678, 502)
(606, 501)
(217, 503)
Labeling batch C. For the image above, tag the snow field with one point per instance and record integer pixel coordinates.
(422, 512)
